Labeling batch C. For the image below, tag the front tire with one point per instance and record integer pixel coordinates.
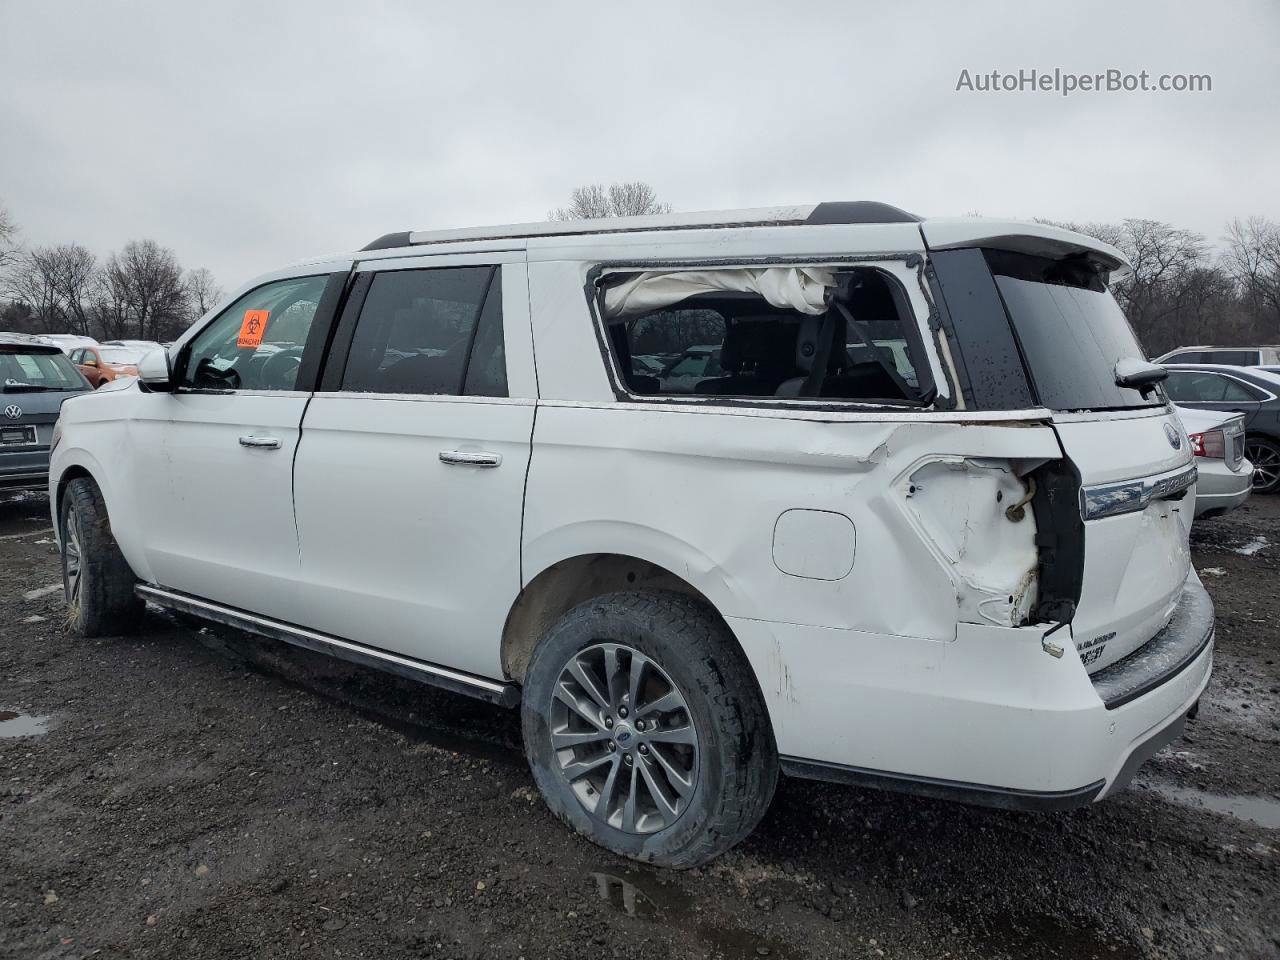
(1265, 455)
(96, 578)
(645, 728)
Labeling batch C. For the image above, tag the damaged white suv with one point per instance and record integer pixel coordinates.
(831, 491)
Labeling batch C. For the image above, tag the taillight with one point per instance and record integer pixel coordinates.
(1211, 444)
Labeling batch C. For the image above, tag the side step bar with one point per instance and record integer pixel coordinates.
(494, 691)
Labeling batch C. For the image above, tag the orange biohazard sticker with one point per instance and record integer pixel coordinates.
(252, 327)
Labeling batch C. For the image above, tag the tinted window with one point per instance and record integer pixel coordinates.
(1237, 391)
(257, 342)
(728, 344)
(1244, 358)
(1197, 387)
(1187, 356)
(1070, 329)
(39, 371)
(430, 332)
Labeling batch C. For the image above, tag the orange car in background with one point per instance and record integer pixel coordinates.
(104, 363)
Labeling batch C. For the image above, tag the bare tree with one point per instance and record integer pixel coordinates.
(144, 288)
(57, 285)
(8, 239)
(1252, 259)
(202, 290)
(594, 202)
(635, 199)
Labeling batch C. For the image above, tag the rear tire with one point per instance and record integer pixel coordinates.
(96, 578)
(668, 756)
(1265, 454)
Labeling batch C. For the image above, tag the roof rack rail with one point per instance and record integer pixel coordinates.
(838, 212)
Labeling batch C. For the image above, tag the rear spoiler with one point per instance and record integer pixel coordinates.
(1037, 239)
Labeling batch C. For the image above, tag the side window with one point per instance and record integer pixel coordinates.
(1188, 387)
(1244, 358)
(1235, 391)
(732, 342)
(434, 331)
(257, 342)
(1187, 356)
(77, 356)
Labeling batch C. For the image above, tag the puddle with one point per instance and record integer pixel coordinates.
(13, 724)
(1263, 811)
(643, 896)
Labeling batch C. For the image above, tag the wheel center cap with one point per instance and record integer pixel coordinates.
(623, 735)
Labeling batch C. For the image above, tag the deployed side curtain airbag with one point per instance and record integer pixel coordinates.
(796, 288)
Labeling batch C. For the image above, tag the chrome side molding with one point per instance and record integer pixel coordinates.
(1132, 496)
(494, 691)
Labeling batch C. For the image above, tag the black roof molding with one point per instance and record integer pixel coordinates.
(860, 211)
(389, 240)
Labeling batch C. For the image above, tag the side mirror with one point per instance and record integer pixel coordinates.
(1139, 374)
(154, 371)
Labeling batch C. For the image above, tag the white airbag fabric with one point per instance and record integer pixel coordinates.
(797, 288)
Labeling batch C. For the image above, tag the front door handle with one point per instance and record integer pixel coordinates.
(265, 443)
(470, 458)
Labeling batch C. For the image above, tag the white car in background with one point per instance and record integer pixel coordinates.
(68, 342)
(1225, 476)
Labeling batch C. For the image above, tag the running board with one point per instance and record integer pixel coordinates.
(494, 691)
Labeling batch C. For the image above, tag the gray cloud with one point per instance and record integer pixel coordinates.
(245, 135)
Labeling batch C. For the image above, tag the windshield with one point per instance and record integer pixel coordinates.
(44, 371)
(1070, 330)
(125, 355)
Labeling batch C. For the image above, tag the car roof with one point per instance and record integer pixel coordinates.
(26, 341)
(1253, 374)
(939, 233)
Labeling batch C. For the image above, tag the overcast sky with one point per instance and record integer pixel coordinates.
(245, 136)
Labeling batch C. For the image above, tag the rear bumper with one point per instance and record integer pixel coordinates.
(988, 718)
(1221, 491)
(24, 480)
(24, 468)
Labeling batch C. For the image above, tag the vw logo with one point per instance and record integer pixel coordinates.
(1175, 438)
(13, 411)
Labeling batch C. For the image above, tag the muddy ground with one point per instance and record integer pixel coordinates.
(199, 794)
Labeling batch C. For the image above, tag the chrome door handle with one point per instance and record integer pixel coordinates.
(266, 443)
(470, 458)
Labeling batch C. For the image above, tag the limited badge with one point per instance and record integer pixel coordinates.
(252, 327)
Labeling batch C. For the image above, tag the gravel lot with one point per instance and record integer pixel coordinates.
(200, 794)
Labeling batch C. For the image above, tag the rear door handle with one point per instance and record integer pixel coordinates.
(266, 443)
(470, 458)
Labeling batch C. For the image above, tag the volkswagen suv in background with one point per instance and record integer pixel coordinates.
(37, 377)
(949, 559)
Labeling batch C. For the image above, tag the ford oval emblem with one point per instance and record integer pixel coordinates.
(1175, 438)
(13, 411)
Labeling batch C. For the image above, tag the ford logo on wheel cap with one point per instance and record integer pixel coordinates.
(1175, 438)
(13, 411)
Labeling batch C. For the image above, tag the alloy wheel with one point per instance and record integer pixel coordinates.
(624, 739)
(1266, 464)
(72, 558)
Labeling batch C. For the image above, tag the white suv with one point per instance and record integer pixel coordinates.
(922, 525)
